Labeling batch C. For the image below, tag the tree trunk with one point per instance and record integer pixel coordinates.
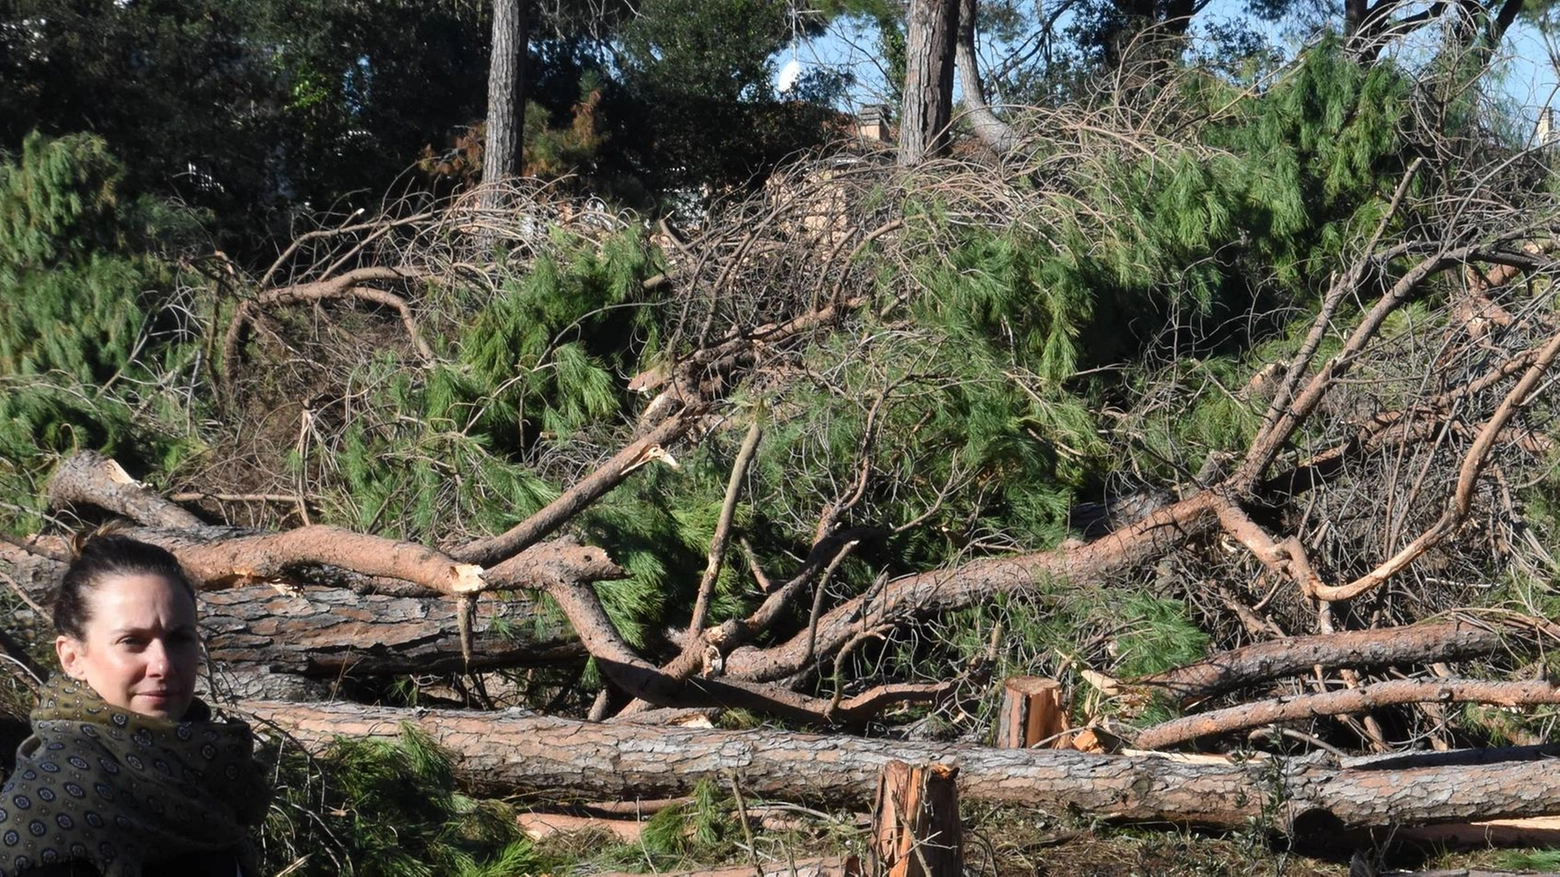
(989, 129)
(833, 866)
(928, 96)
(329, 632)
(334, 632)
(1456, 640)
(502, 753)
(506, 94)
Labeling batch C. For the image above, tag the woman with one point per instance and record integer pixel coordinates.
(126, 773)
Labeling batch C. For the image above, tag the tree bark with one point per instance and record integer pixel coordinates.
(506, 94)
(989, 129)
(503, 753)
(332, 632)
(1360, 649)
(833, 866)
(89, 478)
(221, 557)
(928, 94)
(1347, 701)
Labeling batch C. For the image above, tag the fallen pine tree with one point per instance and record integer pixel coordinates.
(871, 536)
(324, 604)
(510, 752)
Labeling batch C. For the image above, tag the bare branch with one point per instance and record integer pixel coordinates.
(722, 537)
(1349, 700)
(1456, 640)
(579, 497)
(350, 285)
(1461, 501)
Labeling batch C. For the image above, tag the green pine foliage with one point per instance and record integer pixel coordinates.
(71, 296)
(528, 376)
(531, 368)
(552, 342)
(93, 345)
(705, 829)
(975, 405)
(376, 808)
(1330, 138)
(1156, 634)
(1033, 337)
(1055, 631)
(1530, 860)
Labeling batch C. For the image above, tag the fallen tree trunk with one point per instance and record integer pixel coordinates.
(224, 557)
(330, 632)
(1456, 640)
(830, 866)
(1347, 701)
(511, 752)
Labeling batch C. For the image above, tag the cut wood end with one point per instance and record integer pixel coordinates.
(1088, 741)
(117, 474)
(466, 578)
(1106, 684)
(1031, 684)
(649, 379)
(538, 826)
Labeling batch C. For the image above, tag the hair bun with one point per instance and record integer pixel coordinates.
(81, 540)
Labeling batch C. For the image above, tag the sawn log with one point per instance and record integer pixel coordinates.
(328, 633)
(507, 752)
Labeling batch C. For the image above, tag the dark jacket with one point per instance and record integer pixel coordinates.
(224, 864)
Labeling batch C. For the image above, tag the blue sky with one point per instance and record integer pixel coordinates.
(1527, 75)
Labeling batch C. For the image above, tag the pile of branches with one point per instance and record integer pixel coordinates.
(1335, 553)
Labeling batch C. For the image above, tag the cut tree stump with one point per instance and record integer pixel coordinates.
(1032, 712)
(915, 823)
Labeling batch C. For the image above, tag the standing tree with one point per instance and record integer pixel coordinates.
(992, 131)
(928, 97)
(505, 96)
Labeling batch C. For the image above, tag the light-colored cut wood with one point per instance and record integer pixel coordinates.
(1032, 714)
(916, 830)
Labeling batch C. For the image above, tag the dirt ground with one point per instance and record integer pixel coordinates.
(1142, 852)
(1006, 843)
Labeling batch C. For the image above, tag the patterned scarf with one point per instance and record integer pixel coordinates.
(97, 784)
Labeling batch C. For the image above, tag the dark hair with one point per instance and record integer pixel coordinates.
(100, 557)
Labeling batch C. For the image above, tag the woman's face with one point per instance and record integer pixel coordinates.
(140, 650)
